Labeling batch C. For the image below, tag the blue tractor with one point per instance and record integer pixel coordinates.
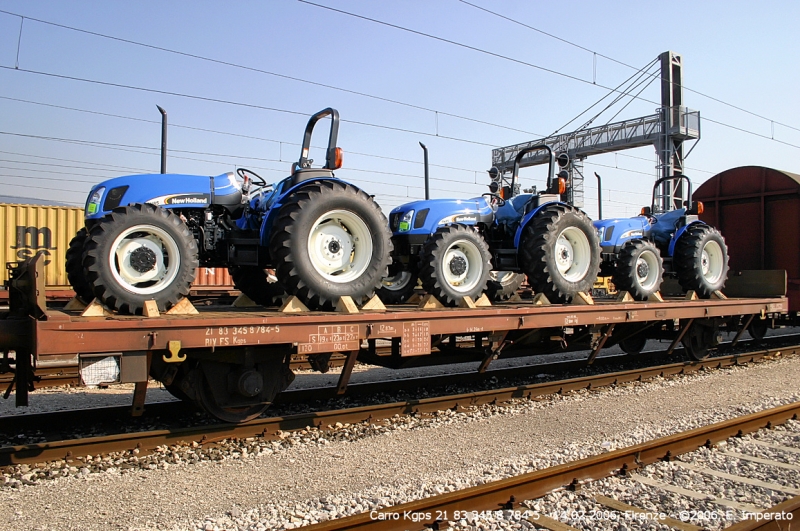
(453, 246)
(637, 252)
(145, 235)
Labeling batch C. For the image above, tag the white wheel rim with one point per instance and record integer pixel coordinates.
(462, 265)
(340, 246)
(646, 272)
(159, 250)
(712, 262)
(573, 254)
(397, 282)
(502, 277)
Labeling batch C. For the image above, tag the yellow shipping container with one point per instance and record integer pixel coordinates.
(30, 229)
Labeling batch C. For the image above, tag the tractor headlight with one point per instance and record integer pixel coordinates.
(93, 205)
(600, 231)
(405, 221)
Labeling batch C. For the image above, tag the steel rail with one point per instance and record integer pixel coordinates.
(67, 420)
(69, 373)
(508, 493)
(270, 428)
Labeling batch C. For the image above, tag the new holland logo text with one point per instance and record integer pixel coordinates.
(182, 199)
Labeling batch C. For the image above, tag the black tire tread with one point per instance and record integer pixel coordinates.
(74, 267)
(252, 281)
(431, 255)
(286, 224)
(688, 251)
(497, 291)
(94, 265)
(536, 236)
(624, 277)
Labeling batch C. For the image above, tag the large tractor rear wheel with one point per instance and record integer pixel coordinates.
(138, 253)
(258, 284)
(330, 240)
(455, 263)
(639, 269)
(560, 253)
(701, 260)
(74, 267)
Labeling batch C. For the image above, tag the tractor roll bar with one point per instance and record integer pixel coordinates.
(550, 169)
(330, 155)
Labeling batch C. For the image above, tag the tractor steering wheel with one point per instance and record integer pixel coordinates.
(500, 200)
(258, 181)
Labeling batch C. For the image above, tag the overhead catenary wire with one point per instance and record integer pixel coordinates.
(364, 94)
(520, 61)
(260, 71)
(599, 54)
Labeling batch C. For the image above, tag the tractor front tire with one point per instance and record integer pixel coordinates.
(701, 260)
(399, 288)
(74, 267)
(138, 253)
(560, 253)
(639, 269)
(330, 240)
(455, 263)
(503, 285)
(256, 283)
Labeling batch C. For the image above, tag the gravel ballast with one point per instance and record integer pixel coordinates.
(314, 476)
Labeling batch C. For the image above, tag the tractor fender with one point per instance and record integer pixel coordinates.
(529, 216)
(269, 217)
(678, 234)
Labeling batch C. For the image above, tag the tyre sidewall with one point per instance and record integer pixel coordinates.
(74, 267)
(334, 196)
(98, 250)
(555, 283)
(688, 260)
(434, 253)
(625, 277)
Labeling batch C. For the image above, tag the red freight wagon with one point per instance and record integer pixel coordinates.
(757, 209)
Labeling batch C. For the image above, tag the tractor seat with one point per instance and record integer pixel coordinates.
(513, 209)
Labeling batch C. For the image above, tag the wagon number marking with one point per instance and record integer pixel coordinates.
(220, 336)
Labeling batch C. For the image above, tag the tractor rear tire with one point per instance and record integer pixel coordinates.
(503, 285)
(138, 253)
(330, 240)
(74, 267)
(455, 263)
(701, 260)
(560, 253)
(256, 283)
(639, 270)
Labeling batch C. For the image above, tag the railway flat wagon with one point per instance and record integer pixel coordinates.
(28, 230)
(758, 211)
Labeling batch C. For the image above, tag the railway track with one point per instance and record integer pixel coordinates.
(272, 428)
(108, 418)
(67, 374)
(514, 497)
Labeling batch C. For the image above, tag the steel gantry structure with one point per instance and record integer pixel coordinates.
(666, 130)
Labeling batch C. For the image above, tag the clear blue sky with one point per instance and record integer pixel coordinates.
(739, 52)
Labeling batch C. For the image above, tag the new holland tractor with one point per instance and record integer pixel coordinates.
(637, 252)
(453, 245)
(145, 235)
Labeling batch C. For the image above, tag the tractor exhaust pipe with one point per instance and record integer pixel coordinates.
(163, 139)
(599, 196)
(427, 175)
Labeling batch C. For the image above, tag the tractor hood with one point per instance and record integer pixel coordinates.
(615, 231)
(424, 217)
(168, 190)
